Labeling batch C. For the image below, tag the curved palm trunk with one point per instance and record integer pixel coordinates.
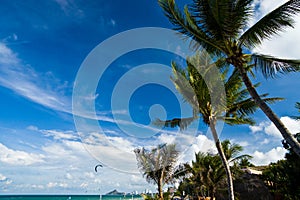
(223, 158)
(287, 135)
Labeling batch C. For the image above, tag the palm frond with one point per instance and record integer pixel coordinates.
(221, 19)
(238, 121)
(241, 11)
(248, 106)
(271, 24)
(271, 66)
(241, 157)
(297, 106)
(208, 18)
(184, 86)
(186, 24)
(182, 123)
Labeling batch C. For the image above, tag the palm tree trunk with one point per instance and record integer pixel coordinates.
(223, 158)
(159, 188)
(287, 135)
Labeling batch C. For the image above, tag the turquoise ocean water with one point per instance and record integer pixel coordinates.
(69, 197)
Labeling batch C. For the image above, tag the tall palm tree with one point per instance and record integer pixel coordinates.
(194, 89)
(221, 28)
(158, 164)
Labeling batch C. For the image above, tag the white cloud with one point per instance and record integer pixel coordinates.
(275, 154)
(285, 44)
(7, 56)
(69, 176)
(57, 184)
(16, 157)
(191, 145)
(265, 6)
(61, 135)
(32, 128)
(265, 141)
(70, 8)
(2, 177)
(137, 179)
(84, 185)
(258, 128)
(40, 187)
(270, 129)
(68, 166)
(244, 143)
(43, 89)
(4, 180)
(8, 182)
(90, 175)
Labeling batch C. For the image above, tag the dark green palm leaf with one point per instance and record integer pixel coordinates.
(297, 105)
(241, 157)
(271, 24)
(242, 10)
(248, 106)
(182, 123)
(209, 19)
(186, 25)
(221, 19)
(271, 66)
(238, 121)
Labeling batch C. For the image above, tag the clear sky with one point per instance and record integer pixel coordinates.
(49, 145)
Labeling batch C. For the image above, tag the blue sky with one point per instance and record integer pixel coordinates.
(48, 145)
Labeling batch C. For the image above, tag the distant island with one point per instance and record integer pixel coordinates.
(115, 192)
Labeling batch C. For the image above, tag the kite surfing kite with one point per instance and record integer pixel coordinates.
(96, 167)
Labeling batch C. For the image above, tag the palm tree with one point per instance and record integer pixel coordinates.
(192, 86)
(206, 174)
(158, 164)
(203, 177)
(221, 28)
(244, 163)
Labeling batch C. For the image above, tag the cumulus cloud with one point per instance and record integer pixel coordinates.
(283, 45)
(16, 157)
(271, 130)
(264, 158)
(4, 180)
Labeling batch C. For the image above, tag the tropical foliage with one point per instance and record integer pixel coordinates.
(206, 176)
(221, 29)
(157, 164)
(283, 177)
(199, 85)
